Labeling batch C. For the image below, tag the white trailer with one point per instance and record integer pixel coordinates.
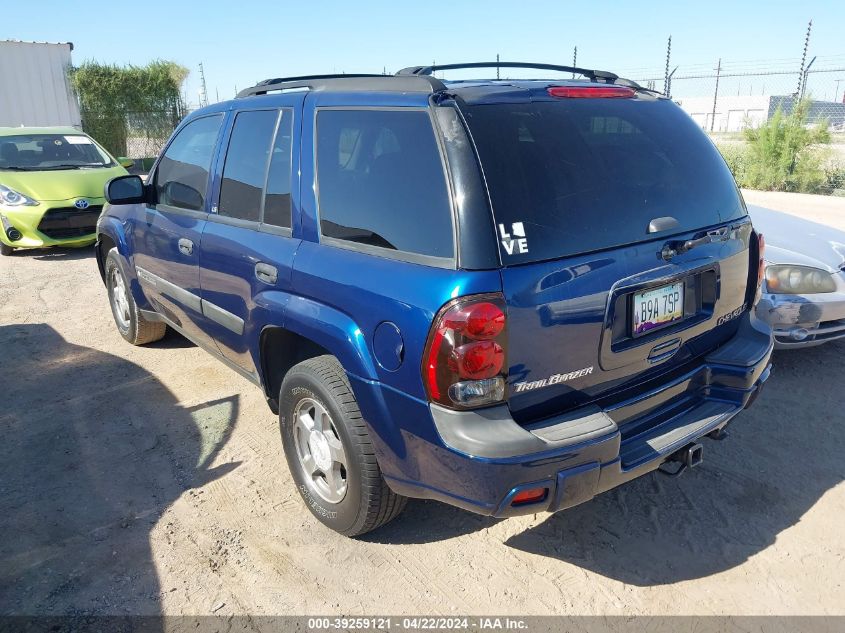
(35, 89)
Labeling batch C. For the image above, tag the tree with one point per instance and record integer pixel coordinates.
(783, 153)
(117, 101)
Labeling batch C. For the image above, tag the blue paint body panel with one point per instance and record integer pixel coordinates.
(563, 316)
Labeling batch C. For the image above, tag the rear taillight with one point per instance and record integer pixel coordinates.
(592, 92)
(761, 264)
(465, 358)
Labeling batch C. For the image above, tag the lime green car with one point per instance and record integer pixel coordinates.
(51, 186)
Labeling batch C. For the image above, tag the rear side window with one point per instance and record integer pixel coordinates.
(182, 174)
(577, 175)
(277, 209)
(246, 165)
(381, 181)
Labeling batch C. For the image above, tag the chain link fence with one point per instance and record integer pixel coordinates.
(135, 135)
(729, 99)
(725, 98)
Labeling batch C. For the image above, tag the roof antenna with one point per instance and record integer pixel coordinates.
(497, 65)
(575, 59)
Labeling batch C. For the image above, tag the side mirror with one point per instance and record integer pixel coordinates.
(177, 194)
(126, 163)
(125, 190)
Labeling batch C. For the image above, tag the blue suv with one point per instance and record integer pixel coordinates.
(506, 295)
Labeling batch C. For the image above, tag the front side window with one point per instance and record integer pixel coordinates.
(246, 165)
(182, 175)
(51, 152)
(381, 181)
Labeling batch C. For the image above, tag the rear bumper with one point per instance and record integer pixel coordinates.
(480, 460)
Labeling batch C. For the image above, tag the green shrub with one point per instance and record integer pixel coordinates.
(783, 153)
(119, 101)
(835, 179)
(736, 156)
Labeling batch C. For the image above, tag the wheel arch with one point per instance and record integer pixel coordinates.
(279, 350)
(310, 329)
(110, 234)
(104, 244)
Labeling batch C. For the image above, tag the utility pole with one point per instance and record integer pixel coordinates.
(836, 92)
(715, 95)
(666, 74)
(203, 88)
(804, 59)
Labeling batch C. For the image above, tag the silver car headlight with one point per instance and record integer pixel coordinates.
(798, 280)
(10, 199)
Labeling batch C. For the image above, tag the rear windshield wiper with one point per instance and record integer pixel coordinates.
(672, 248)
(15, 168)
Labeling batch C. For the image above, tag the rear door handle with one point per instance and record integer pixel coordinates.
(186, 246)
(266, 273)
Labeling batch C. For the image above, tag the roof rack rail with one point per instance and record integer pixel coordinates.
(387, 83)
(593, 75)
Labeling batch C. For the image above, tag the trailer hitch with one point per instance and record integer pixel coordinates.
(688, 457)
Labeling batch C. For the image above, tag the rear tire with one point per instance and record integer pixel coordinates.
(130, 323)
(6, 250)
(329, 451)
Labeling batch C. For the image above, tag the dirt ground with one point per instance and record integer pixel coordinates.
(828, 210)
(151, 480)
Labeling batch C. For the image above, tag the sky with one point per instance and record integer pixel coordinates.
(240, 43)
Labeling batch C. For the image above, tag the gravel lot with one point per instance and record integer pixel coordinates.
(151, 480)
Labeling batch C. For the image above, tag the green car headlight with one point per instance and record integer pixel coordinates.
(10, 199)
(798, 280)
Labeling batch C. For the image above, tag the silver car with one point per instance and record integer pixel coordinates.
(804, 289)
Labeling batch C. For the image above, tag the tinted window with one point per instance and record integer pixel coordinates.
(577, 175)
(277, 199)
(246, 165)
(182, 174)
(381, 181)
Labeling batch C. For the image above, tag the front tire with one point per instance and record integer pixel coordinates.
(329, 451)
(6, 250)
(129, 321)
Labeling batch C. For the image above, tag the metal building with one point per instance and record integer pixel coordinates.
(35, 86)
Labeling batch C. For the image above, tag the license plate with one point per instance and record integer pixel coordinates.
(657, 307)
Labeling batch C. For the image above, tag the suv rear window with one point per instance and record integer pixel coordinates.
(578, 175)
(381, 181)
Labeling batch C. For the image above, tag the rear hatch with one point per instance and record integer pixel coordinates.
(589, 196)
